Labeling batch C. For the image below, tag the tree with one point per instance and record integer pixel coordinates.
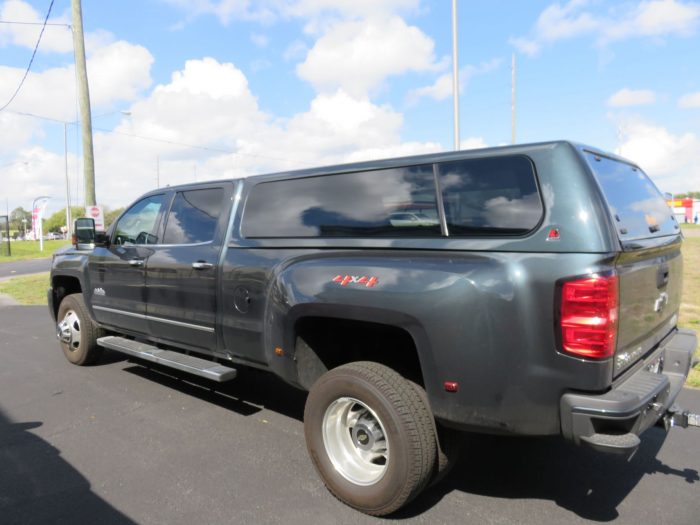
(16, 217)
(111, 215)
(58, 219)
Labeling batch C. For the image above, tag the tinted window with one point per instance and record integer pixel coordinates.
(635, 204)
(193, 216)
(138, 224)
(490, 196)
(390, 203)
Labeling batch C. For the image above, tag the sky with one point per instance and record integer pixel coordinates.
(194, 90)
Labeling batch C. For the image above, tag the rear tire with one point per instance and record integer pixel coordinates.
(449, 444)
(370, 437)
(77, 332)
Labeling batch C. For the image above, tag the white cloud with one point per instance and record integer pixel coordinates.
(55, 39)
(557, 22)
(473, 143)
(649, 18)
(631, 97)
(15, 132)
(118, 72)
(36, 172)
(672, 161)
(209, 104)
(654, 18)
(296, 50)
(259, 39)
(690, 100)
(228, 10)
(442, 87)
(439, 90)
(358, 56)
(223, 117)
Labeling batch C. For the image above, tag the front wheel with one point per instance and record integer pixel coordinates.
(370, 436)
(77, 332)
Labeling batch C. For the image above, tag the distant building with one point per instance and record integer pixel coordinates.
(685, 210)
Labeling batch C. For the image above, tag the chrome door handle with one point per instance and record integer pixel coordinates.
(136, 262)
(201, 265)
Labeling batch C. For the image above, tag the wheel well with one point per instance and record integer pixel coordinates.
(62, 286)
(323, 343)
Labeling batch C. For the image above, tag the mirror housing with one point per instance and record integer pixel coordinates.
(84, 234)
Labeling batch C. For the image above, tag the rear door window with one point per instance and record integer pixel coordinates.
(636, 205)
(491, 196)
(395, 202)
(193, 216)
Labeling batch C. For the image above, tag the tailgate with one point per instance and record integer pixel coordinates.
(650, 295)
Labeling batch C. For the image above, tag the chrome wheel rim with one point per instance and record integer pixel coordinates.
(355, 441)
(68, 330)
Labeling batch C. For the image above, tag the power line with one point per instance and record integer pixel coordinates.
(31, 60)
(164, 141)
(193, 146)
(17, 22)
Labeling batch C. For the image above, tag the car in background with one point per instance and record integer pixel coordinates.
(412, 219)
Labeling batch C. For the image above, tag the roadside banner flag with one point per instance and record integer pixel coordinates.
(37, 215)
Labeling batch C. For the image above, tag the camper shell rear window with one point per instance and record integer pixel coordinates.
(636, 205)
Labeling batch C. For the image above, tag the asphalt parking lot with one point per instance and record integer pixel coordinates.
(15, 268)
(121, 443)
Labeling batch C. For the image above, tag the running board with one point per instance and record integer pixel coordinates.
(187, 363)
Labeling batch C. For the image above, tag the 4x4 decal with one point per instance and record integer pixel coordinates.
(356, 279)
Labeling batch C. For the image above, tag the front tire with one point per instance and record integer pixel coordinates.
(77, 332)
(370, 437)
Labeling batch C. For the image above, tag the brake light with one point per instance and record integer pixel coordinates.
(588, 316)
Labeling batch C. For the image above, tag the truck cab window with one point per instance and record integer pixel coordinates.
(193, 216)
(138, 225)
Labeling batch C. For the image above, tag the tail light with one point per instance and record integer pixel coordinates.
(588, 316)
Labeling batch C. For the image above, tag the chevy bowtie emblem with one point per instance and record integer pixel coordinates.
(661, 302)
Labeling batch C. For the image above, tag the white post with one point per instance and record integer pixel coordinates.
(512, 103)
(65, 151)
(455, 75)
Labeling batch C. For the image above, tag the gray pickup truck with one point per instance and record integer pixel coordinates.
(529, 290)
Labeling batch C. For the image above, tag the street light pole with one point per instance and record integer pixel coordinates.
(455, 75)
(68, 210)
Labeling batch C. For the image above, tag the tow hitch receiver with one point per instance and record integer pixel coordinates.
(676, 417)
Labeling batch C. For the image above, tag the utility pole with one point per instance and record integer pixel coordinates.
(512, 102)
(157, 171)
(84, 99)
(455, 75)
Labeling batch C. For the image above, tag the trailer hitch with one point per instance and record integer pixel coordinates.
(676, 417)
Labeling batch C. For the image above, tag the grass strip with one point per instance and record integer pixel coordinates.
(27, 289)
(24, 250)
